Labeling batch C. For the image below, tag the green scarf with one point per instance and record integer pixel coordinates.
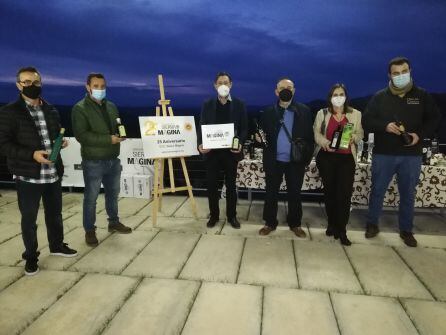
(400, 91)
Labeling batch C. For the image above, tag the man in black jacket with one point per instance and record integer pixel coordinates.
(28, 128)
(220, 110)
(400, 111)
(277, 160)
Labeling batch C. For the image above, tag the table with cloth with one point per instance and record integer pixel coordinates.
(431, 189)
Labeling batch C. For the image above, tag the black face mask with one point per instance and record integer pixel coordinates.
(32, 91)
(286, 95)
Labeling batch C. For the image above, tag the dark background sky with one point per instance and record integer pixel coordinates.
(316, 42)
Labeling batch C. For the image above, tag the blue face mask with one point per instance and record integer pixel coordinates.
(401, 80)
(98, 94)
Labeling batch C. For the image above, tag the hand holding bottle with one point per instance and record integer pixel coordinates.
(116, 139)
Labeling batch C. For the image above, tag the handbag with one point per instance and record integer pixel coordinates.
(300, 150)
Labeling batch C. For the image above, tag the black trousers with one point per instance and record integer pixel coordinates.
(294, 175)
(338, 174)
(218, 161)
(29, 195)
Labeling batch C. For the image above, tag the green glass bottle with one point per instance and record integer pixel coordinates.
(57, 146)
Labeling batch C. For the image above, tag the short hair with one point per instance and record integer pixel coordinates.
(94, 75)
(222, 74)
(284, 78)
(347, 107)
(398, 61)
(26, 69)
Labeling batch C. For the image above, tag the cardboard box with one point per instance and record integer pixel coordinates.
(127, 189)
(142, 186)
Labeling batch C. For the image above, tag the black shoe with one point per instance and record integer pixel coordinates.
(90, 238)
(64, 251)
(408, 239)
(344, 240)
(234, 223)
(31, 267)
(119, 228)
(329, 231)
(371, 231)
(212, 222)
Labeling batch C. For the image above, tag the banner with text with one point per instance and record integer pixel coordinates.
(167, 137)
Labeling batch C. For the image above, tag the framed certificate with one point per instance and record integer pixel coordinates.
(217, 136)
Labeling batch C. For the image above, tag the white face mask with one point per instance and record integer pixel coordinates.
(338, 101)
(223, 91)
(401, 80)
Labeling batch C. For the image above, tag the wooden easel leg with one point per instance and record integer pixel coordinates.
(161, 184)
(189, 188)
(171, 177)
(155, 193)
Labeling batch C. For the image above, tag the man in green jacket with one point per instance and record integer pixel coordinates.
(94, 126)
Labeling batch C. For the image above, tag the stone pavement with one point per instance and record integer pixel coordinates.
(182, 278)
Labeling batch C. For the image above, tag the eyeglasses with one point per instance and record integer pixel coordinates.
(30, 82)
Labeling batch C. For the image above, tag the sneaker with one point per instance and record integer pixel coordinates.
(90, 238)
(408, 239)
(299, 232)
(119, 228)
(212, 222)
(64, 251)
(31, 268)
(371, 230)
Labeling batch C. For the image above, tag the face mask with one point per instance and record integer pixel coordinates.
(401, 80)
(223, 91)
(32, 92)
(98, 94)
(286, 95)
(338, 101)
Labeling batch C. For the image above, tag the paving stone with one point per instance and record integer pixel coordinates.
(383, 238)
(251, 229)
(256, 213)
(225, 309)
(132, 205)
(269, 263)
(11, 250)
(164, 257)
(324, 266)
(8, 275)
(288, 311)
(9, 230)
(77, 208)
(27, 298)
(202, 209)
(215, 258)
(313, 215)
(383, 273)
(86, 308)
(158, 306)
(430, 267)
(429, 316)
(170, 204)
(75, 240)
(115, 253)
(182, 225)
(367, 315)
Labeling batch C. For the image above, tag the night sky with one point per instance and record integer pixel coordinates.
(315, 42)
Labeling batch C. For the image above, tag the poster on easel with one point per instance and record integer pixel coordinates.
(168, 137)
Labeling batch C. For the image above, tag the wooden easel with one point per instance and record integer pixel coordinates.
(158, 180)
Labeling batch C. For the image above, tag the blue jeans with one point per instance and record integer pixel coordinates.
(107, 172)
(407, 169)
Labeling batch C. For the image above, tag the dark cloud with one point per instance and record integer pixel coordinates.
(315, 43)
